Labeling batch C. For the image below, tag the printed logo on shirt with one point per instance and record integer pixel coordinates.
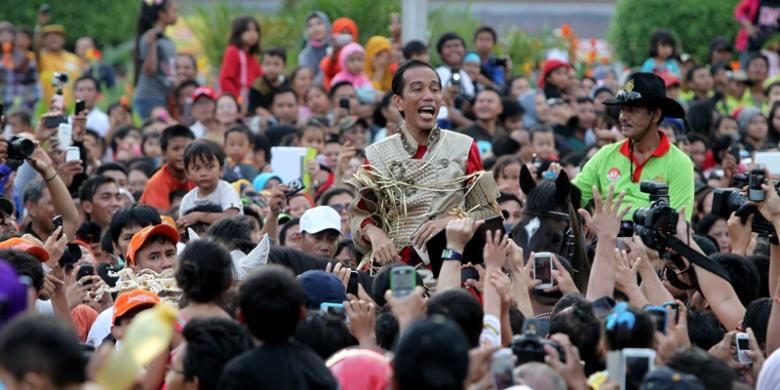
(613, 175)
(659, 179)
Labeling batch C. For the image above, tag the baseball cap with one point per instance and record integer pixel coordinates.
(664, 378)
(22, 245)
(53, 28)
(13, 293)
(320, 218)
(321, 286)
(140, 238)
(133, 299)
(203, 92)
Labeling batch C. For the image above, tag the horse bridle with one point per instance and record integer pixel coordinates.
(567, 247)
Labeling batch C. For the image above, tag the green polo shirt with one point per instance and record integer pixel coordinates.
(612, 164)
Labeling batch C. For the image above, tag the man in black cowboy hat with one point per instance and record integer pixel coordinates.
(646, 154)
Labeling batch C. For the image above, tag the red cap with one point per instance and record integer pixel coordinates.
(132, 299)
(22, 245)
(549, 67)
(203, 92)
(140, 238)
(670, 79)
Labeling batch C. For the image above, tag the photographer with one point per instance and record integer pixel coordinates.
(770, 209)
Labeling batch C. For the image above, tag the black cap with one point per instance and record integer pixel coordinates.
(641, 89)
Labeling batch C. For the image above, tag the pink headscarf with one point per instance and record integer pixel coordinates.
(357, 80)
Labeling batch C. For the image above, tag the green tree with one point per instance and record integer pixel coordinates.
(694, 22)
(371, 16)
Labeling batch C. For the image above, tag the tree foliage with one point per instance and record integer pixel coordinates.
(694, 22)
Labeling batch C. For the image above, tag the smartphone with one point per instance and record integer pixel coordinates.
(85, 270)
(755, 192)
(501, 368)
(675, 308)
(736, 151)
(352, 285)
(55, 223)
(543, 266)
(493, 224)
(403, 280)
(743, 345)
(51, 122)
(501, 61)
(294, 187)
(455, 79)
(658, 314)
(72, 153)
(636, 363)
(64, 135)
(334, 309)
(537, 326)
(80, 106)
(344, 103)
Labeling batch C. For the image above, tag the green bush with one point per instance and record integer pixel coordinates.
(694, 22)
(110, 22)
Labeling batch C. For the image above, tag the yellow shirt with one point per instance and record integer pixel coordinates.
(64, 62)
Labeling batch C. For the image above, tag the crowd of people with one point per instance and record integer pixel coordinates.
(367, 276)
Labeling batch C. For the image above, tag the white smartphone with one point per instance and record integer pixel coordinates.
(636, 363)
(64, 135)
(72, 153)
(743, 345)
(543, 266)
(502, 368)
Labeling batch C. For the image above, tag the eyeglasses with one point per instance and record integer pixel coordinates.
(340, 207)
(624, 96)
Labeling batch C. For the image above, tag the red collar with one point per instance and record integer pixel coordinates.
(663, 147)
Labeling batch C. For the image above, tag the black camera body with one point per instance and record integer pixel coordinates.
(731, 200)
(20, 148)
(653, 224)
(59, 80)
(529, 347)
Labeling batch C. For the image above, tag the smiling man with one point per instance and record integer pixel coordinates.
(646, 154)
(414, 178)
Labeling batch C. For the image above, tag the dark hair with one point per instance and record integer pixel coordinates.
(512, 109)
(239, 128)
(378, 118)
(144, 139)
(297, 70)
(287, 226)
(337, 86)
(398, 83)
(743, 275)
(111, 166)
(704, 329)
(234, 232)
(662, 37)
(142, 164)
(203, 208)
(43, 345)
(503, 162)
(203, 150)
(706, 223)
(211, 344)
(139, 215)
(23, 116)
(641, 335)
(691, 71)
(295, 260)
(413, 48)
(334, 191)
(324, 333)
(91, 185)
(87, 77)
(462, 308)
(89, 232)
(238, 27)
(25, 264)
(756, 56)
(386, 329)
(281, 91)
(382, 282)
(583, 328)
(121, 133)
(446, 37)
(276, 52)
(713, 373)
(271, 293)
(757, 319)
(504, 146)
(33, 191)
(487, 29)
(261, 142)
(540, 129)
(175, 131)
(205, 271)
(762, 265)
(150, 12)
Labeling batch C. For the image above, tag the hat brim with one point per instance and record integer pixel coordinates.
(669, 107)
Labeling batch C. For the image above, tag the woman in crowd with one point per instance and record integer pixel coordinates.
(240, 67)
(154, 56)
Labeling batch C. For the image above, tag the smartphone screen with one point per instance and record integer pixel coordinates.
(543, 270)
(636, 369)
(56, 222)
(743, 343)
(80, 106)
(659, 318)
(334, 309)
(402, 281)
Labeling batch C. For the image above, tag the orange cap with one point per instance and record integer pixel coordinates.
(140, 238)
(133, 299)
(20, 244)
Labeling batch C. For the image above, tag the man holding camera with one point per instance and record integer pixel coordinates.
(646, 154)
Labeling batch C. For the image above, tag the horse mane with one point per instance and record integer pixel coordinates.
(542, 197)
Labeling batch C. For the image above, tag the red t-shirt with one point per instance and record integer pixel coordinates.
(159, 188)
(230, 74)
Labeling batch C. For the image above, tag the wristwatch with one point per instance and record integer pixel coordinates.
(449, 254)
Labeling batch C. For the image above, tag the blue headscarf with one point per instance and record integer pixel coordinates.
(262, 179)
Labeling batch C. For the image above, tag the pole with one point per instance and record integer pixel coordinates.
(414, 20)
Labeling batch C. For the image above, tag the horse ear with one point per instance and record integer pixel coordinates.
(562, 188)
(527, 182)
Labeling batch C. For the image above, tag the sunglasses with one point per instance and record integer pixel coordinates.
(624, 96)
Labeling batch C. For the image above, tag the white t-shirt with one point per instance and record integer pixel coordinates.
(224, 195)
(98, 120)
(101, 328)
(466, 85)
(198, 129)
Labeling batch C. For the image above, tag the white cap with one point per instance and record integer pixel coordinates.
(320, 218)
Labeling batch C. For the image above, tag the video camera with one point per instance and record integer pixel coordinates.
(529, 346)
(59, 80)
(731, 200)
(655, 223)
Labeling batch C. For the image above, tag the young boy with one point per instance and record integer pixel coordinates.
(204, 161)
(153, 248)
(238, 147)
(543, 143)
(416, 50)
(172, 176)
(274, 64)
(127, 306)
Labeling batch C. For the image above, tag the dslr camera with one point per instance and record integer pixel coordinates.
(20, 148)
(529, 346)
(731, 200)
(653, 224)
(59, 80)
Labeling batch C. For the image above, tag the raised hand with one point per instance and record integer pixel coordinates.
(496, 249)
(607, 214)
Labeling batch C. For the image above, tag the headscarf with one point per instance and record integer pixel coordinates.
(528, 101)
(374, 46)
(745, 116)
(330, 64)
(357, 80)
(346, 23)
(314, 51)
(262, 179)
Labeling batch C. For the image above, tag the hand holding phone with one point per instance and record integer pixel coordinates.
(64, 135)
(334, 309)
(72, 153)
(80, 106)
(743, 345)
(56, 222)
(84, 271)
(344, 103)
(543, 266)
(403, 280)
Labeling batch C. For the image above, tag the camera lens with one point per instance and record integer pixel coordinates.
(21, 148)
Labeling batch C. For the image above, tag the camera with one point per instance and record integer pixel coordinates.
(730, 200)
(529, 346)
(653, 224)
(59, 80)
(20, 148)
